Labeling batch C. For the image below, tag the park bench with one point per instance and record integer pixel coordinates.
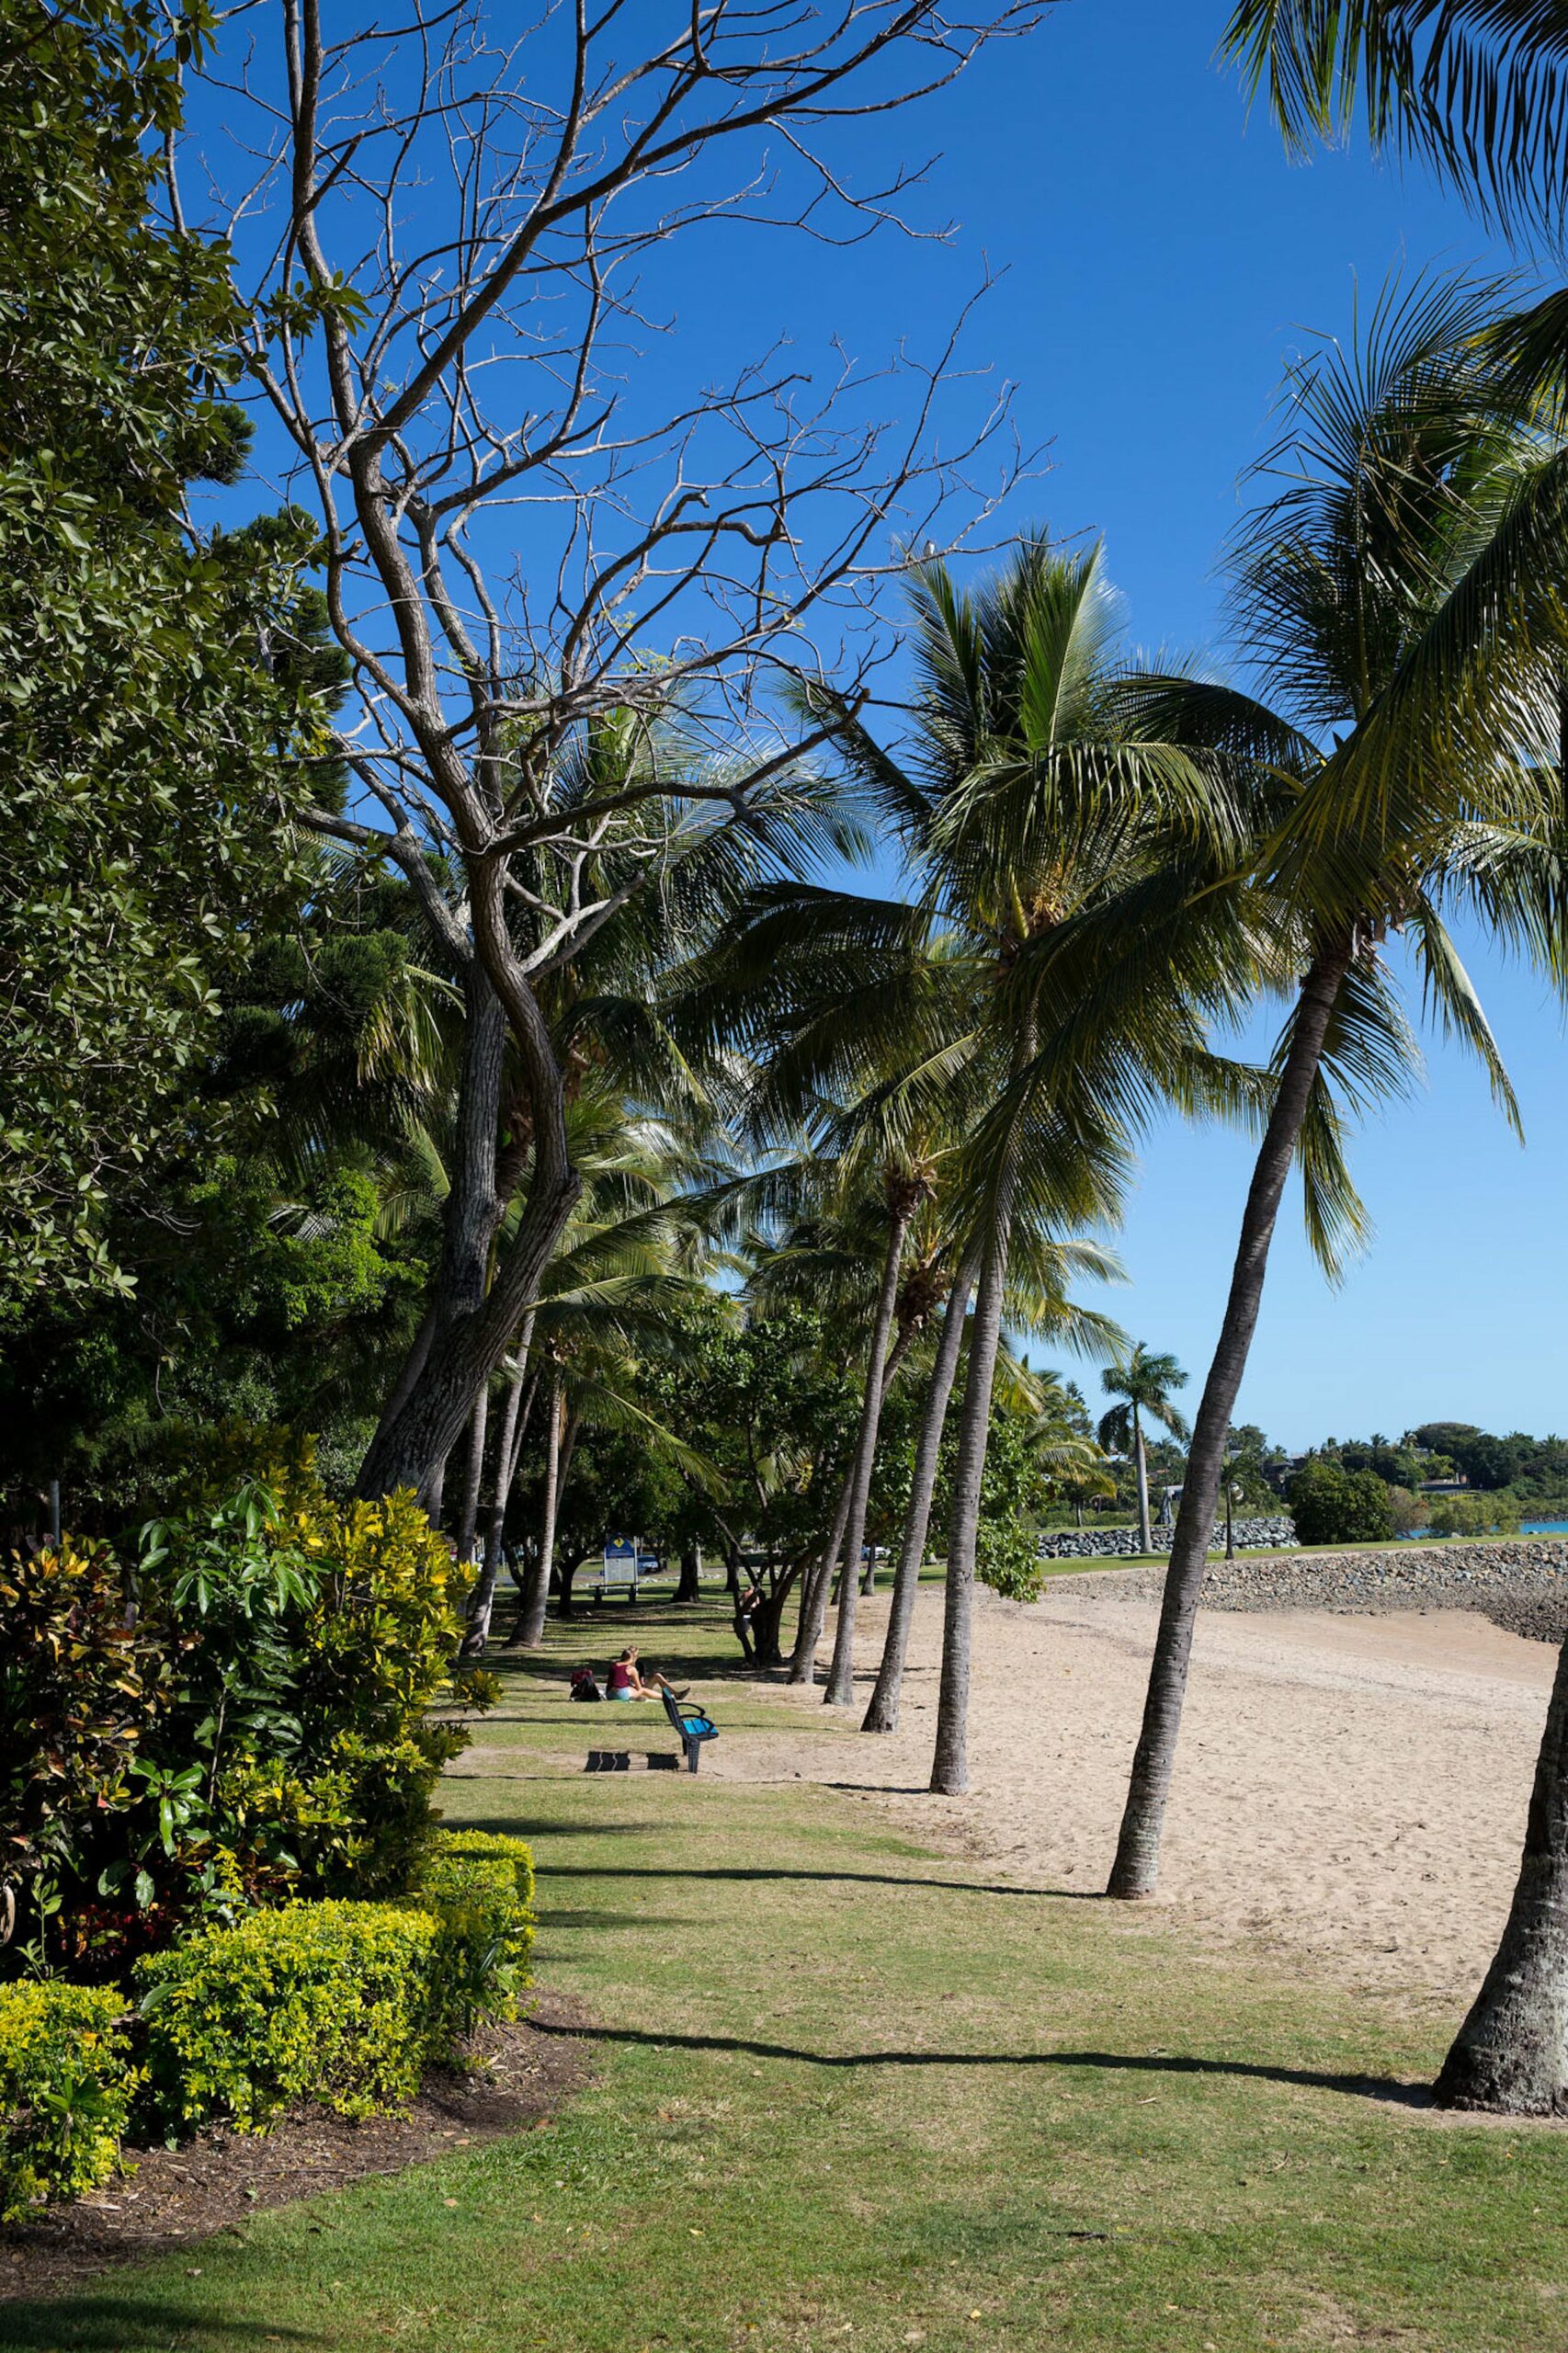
(693, 1726)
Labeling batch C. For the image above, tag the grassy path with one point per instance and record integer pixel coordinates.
(853, 2094)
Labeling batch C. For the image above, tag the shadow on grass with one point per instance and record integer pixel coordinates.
(115, 2324)
(828, 1878)
(1388, 2090)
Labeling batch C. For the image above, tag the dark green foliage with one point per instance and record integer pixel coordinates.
(331, 2002)
(1331, 1505)
(65, 2091)
(145, 738)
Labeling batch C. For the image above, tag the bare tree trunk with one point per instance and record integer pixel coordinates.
(478, 1425)
(529, 1633)
(950, 1769)
(1511, 2055)
(690, 1587)
(1141, 1468)
(840, 1691)
(882, 1715)
(508, 1451)
(413, 1366)
(1137, 1867)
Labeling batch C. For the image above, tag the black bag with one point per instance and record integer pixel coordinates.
(585, 1683)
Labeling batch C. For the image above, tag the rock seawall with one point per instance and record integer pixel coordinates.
(1121, 1544)
(1522, 1585)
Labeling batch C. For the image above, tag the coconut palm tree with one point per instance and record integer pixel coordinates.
(1143, 1383)
(1052, 840)
(1391, 596)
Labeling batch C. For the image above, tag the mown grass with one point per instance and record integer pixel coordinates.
(852, 2095)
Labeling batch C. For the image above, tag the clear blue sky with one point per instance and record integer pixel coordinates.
(1159, 260)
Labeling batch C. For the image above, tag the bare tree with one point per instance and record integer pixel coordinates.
(448, 224)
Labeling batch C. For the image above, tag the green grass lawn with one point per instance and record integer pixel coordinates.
(850, 2094)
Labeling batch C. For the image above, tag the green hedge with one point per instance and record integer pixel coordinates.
(495, 1845)
(484, 1930)
(329, 2002)
(66, 2084)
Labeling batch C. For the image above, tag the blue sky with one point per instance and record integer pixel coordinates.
(1158, 258)
(1162, 259)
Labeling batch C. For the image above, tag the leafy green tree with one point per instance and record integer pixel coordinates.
(1331, 1505)
(147, 701)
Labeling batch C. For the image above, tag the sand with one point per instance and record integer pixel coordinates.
(1350, 1794)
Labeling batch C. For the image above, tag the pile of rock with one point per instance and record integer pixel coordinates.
(1521, 1583)
(1121, 1544)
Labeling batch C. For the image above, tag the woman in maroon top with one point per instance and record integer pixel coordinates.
(627, 1682)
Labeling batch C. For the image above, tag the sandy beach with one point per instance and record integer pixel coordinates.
(1350, 1794)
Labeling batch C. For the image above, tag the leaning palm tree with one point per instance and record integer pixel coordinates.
(1391, 597)
(1143, 1383)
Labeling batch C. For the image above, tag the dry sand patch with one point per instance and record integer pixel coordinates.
(1351, 1789)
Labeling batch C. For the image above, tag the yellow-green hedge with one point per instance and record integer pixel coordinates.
(499, 1848)
(67, 2082)
(484, 1930)
(330, 2002)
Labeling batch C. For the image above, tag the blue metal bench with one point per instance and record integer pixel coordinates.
(693, 1726)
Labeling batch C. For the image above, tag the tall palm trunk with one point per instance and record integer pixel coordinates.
(1137, 1867)
(529, 1633)
(1511, 2053)
(1140, 1465)
(475, 1478)
(949, 1769)
(818, 1582)
(818, 1585)
(882, 1715)
(508, 1450)
(840, 1689)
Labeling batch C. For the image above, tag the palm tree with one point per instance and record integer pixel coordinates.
(1385, 597)
(1144, 1384)
(1479, 88)
(1062, 851)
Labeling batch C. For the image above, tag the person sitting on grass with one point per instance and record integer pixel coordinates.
(627, 1680)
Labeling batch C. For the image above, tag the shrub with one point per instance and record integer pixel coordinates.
(329, 2002)
(1006, 1558)
(500, 1848)
(65, 2090)
(484, 1932)
(1330, 1506)
(1475, 1516)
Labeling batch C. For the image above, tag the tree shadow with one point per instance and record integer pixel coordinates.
(757, 1871)
(117, 2325)
(1386, 2090)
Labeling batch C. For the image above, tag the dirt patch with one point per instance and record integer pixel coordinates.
(176, 2197)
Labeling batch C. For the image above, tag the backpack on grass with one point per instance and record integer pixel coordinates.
(585, 1683)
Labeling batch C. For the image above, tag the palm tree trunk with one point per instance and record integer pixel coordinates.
(475, 1479)
(815, 1590)
(840, 1691)
(508, 1451)
(1137, 1867)
(949, 1769)
(1511, 2055)
(819, 1578)
(528, 1631)
(1140, 1466)
(882, 1715)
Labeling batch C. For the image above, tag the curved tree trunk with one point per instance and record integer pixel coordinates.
(528, 1631)
(1511, 2055)
(882, 1713)
(949, 1769)
(473, 1480)
(1137, 1867)
(1140, 1467)
(840, 1691)
(508, 1453)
